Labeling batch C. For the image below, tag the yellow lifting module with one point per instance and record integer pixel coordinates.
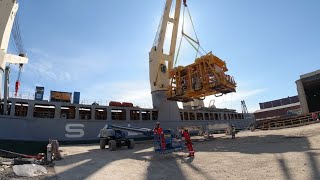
(206, 76)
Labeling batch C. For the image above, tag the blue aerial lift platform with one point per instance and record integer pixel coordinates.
(117, 136)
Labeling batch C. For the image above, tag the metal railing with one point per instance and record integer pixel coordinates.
(83, 101)
(287, 122)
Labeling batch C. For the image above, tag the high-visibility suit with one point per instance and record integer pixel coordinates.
(314, 116)
(158, 132)
(186, 135)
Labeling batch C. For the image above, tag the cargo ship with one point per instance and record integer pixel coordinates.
(27, 123)
(32, 123)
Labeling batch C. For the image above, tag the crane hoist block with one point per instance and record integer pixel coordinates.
(206, 76)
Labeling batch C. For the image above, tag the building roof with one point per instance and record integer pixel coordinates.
(279, 102)
(310, 74)
(278, 107)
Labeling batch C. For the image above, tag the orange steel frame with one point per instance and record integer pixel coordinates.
(203, 78)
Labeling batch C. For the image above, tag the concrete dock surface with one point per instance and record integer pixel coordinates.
(292, 153)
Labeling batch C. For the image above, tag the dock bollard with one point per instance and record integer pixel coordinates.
(49, 152)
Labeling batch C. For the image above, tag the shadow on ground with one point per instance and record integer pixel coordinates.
(167, 165)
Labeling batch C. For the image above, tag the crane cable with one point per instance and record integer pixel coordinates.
(178, 52)
(195, 33)
(157, 37)
(16, 35)
(19, 47)
(188, 38)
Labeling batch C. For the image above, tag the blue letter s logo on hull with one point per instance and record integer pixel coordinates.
(75, 130)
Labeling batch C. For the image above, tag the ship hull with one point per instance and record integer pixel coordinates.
(32, 135)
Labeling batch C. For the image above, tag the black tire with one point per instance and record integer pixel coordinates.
(103, 143)
(112, 145)
(131, 144)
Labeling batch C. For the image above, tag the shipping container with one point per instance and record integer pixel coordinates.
(127, 104)
(114, 103)
(39, 89)
(39, 93)
(60, 96)
(76, 97)
(38, 96)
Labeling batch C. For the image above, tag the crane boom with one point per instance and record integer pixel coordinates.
(159, 62)
(8, 11)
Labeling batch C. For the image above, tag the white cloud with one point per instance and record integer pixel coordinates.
(46, 66)
(42, 65)
(37, 53)
(47, 70)
(137, 92)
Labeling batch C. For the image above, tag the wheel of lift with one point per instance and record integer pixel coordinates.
(131, 144)
(112, 145)
(103, 143)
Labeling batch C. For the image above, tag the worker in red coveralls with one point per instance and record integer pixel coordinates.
(158, 133)
(314, 116)
(186, 136)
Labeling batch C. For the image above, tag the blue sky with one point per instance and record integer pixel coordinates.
(100, 47)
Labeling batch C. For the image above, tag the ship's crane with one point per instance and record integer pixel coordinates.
(206, 76)
(8, 12)
(160, 63)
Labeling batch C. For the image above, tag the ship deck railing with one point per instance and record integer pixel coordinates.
(287, 122)
(84, 101)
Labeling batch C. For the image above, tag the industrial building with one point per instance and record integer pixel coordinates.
(307, 100)
(278, 108)
(308, 87)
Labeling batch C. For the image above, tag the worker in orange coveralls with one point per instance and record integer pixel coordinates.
(186, 136)
(158, 132)
(314, 116)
